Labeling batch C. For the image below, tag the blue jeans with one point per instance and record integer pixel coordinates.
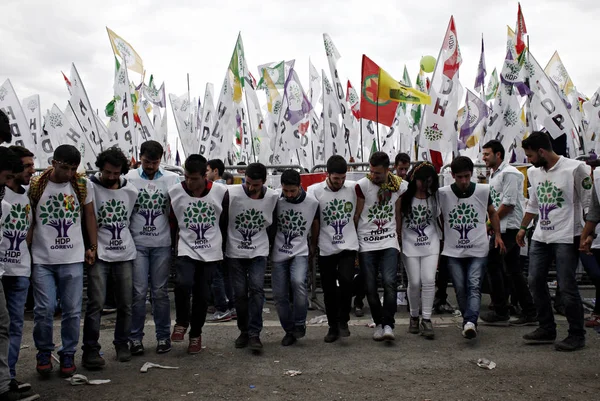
(386, 262)
(567, 257)
(248, 277)
(221, 287)
(291, 272)
(120, 273)
(467, 277)
(45, 280)
(15, 291)
(156, 263)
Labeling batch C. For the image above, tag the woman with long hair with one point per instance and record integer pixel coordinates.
(421, 244)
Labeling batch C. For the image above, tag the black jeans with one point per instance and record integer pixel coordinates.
(441, 281)
(192, 276)
(337, 268)
(507, 266)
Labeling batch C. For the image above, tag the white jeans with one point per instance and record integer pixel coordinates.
(421, 276)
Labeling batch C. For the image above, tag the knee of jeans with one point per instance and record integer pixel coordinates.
(160, 294)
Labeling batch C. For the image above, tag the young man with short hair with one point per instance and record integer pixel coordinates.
(214, 171)
(463, 206)
(378, 223)
(506, 191)
(296, 213)
(335, 235)
(152, 236)
(60, 198)
(560, 193)
(114, 200)
(251, 207)
(402, 165)
(200, 209)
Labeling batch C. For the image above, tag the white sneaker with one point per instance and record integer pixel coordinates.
(469, 331)
(388, 333)
(378, 334)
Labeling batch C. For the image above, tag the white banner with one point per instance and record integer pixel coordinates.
(207, 123)
(334, 137)
(222, 132)
(33, 114)
(19, 126)
(121, 125)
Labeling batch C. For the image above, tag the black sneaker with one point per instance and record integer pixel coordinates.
(332, 335)
(344, 330)
(571, 343)
(358, 311)
(16, 385)
(413, 325)
(288, 340)
(443, 307)
(524, 321)
(92, 359)
(136, 347)
(13, 395)
(299, 331)
(242, 340)
(427, 329)
(123, 352)
(254, 343)
(540, 336)
(163, 346)
(492, 318)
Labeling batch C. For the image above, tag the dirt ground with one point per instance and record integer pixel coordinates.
(356, 368)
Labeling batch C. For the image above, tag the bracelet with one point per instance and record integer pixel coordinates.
(523, 228)
(93, 247)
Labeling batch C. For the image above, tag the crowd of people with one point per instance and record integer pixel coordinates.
(123, 226)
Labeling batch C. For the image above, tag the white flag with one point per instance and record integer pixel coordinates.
(19, 125)
(121, 124)
(207, 123)
(33, 114)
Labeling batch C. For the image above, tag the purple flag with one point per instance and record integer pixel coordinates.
(481, 70)
(476, 111)
(298, 104)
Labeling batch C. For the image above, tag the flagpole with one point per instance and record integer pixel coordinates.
(250, 125)
(362, 149)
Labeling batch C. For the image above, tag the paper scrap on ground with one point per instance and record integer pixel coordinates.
(149, 365)
(292, 373)
(486, 363)
(77, 380)
(318, 319)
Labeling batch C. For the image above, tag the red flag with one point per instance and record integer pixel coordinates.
(521, 31)
(371, 108)
(436, 160)
(353, 100)
(453, 62)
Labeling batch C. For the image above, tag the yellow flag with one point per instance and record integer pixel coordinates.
(124, 50)
(390, 89)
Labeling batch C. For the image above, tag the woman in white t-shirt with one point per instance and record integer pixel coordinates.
(421, 244)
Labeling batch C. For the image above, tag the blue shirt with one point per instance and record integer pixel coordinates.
(157, 175)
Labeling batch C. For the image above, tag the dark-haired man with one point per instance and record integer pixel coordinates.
(402, 165)
(114, 199)
(214, 171)
(152, 236)
(60, 199)
(200, 209)
(463, 206)
(335, 235)
(560, 193)
(251, 207)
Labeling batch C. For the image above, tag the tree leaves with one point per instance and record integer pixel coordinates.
(291, 221)
(549, 194)
(199, 213)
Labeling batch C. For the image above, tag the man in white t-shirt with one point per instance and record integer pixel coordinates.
(114, 199)
(378, 223)
(62, 201)
(560, 193)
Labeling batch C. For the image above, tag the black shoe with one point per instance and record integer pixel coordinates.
(540, 336)
(123, 352)
(163, 346)
(299, 331)
(344, 331)
(524, 321)
(571, 343)
(492, 318)
(13, 395)
(16, 385)
(427, 329)
(332, 335)
(136, 347)
(358, 311)
(92, 359)
(242, 340)
(288, 340)
(443, 307)
(413, 325)
(254, 344)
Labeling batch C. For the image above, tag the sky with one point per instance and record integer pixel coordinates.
(40, 39)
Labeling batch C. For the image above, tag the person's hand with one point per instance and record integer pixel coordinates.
(521, 238)
(585, 244)
(90, 256)
(500, 244)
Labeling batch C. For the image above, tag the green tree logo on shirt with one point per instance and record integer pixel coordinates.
(419, 219)
(60, 212)
(199, 217)
(495, 195)
(337, 215)
(16, 225)
(249, 223)
(112, 216)
(463, 218)
(292, 225)
(380, 214)
(150, 205)
(549, 197)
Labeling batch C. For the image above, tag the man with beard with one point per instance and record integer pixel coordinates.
(560, 193)
(114, 201)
